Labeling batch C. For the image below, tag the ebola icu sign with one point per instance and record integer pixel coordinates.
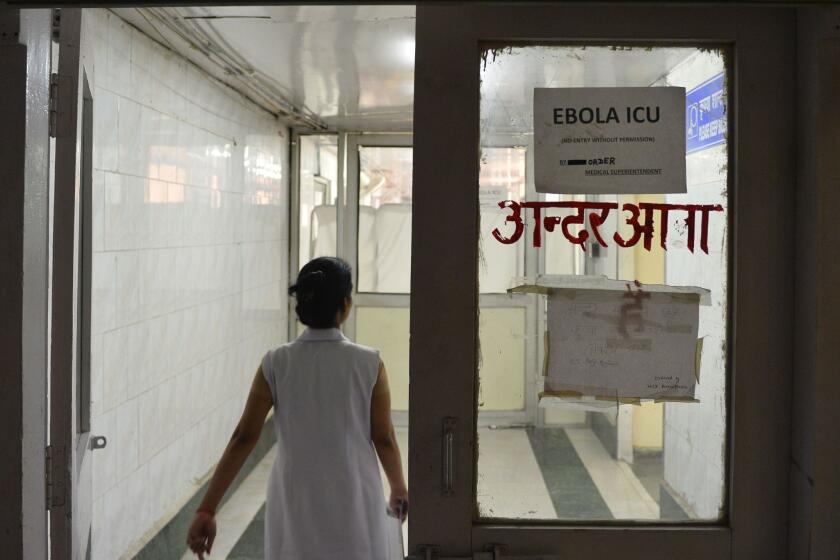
(609, 140)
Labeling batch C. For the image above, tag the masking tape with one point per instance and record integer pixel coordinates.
(698, 353)
(687, 294)
(685, 297)
(531, 289)
(678, 329)
(545, 356)
(638, 344)
(615, 399)
(677, 400)
(577, 395)
(620, 400)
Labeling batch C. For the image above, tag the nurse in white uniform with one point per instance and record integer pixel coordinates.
(332, 417)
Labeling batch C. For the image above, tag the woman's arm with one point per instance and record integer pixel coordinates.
(242, 442)
(385, 441)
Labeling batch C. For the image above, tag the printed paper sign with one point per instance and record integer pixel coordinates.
(609, 140)
(622, 344)
(705, 115)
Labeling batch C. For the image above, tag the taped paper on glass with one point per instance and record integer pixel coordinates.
(546, 284)
(609, 140)
(622, 345)
(570, 402)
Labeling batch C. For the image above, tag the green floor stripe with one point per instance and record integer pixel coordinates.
(170, 541)
(572, 490)
(250, 544)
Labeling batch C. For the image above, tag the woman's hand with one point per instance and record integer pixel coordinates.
(399, 502)
(202, 533)
(203, 529)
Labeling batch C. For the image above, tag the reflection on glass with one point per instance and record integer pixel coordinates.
(317, 197)
(384, 243)
(568, 461)
(501, 335)
(386, 329)
(502, 177)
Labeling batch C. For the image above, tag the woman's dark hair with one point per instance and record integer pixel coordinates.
(321, 287)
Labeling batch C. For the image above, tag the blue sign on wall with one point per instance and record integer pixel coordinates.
(705, 115)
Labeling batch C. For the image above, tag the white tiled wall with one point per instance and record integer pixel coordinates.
(190, 228)
(695, 434)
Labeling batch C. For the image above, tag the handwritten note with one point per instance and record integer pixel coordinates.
(622, 343)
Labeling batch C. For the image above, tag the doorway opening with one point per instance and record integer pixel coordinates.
(220, 168)
(230, 146)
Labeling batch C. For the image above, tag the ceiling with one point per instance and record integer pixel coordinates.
(509, 76)
(323, 67)
(352, 67)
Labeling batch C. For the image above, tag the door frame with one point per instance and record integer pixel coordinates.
(353, 141)
(443, 354)
(349, 250)
(347, 220)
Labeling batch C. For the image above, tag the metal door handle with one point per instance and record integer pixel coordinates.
(98, 442)
(449, 456)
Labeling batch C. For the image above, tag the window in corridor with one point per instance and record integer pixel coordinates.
(582, 458)
(318, 192)
(384, 236)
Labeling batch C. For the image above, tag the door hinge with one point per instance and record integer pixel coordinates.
(497, 552)
(55, 466)
(60, 122)
(432, 552)
(56, 24)
(53, 120)
(494, 551)
(425, 552)
(10, 27)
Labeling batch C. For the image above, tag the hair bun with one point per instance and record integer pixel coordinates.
(315, 276)
(309, 284)
(322, 286)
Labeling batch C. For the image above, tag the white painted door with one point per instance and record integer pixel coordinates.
(476, 67)
(70, 446)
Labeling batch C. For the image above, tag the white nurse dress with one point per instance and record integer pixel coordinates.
(325, 499)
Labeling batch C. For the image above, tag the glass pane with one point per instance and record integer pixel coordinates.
(501, 334)
(384, 243)
(502, 178)
(589, 458)
(386, 328)
(317, 195)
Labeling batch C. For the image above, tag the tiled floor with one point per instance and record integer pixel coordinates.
(552, 473)
(649, 469)
(239, 520)
(616, 483)
(510, 483)
(572, 490)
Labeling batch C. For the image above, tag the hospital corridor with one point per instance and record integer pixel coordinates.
(593, 246)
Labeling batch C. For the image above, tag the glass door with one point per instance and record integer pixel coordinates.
(584, 473)
(378, 230)
(601, 458)
(353, 199)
